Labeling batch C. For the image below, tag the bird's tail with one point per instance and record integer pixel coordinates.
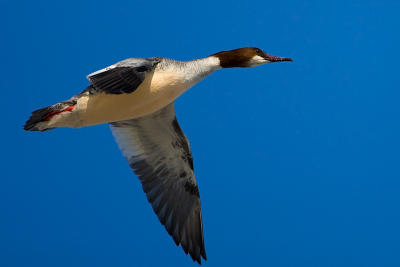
(43, 119)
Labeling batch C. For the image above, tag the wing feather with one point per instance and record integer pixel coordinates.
(123, 77)
(159, 153)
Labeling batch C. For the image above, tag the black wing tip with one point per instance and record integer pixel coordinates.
(203, 254)
(197, 258)
(196, 251)
(195, 247)
(195, 255)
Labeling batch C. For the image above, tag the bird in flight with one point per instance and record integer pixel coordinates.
(136, 97)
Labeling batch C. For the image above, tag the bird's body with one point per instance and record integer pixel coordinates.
(136, 97)
(160, 87)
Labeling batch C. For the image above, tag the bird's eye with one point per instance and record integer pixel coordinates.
(258, 50)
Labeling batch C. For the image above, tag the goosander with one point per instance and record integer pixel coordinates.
(136, 97)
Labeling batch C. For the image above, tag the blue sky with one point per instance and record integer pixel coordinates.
(297, 164)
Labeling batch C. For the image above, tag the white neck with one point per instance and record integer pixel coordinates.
(198, 69)
(193, 70)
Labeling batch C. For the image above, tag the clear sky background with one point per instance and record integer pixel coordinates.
(297, 163)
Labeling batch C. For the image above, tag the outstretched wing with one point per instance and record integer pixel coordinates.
(158, 152)
(123, 77)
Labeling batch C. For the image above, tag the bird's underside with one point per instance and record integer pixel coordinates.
(136, 97)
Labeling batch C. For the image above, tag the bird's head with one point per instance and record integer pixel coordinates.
(246, 57)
